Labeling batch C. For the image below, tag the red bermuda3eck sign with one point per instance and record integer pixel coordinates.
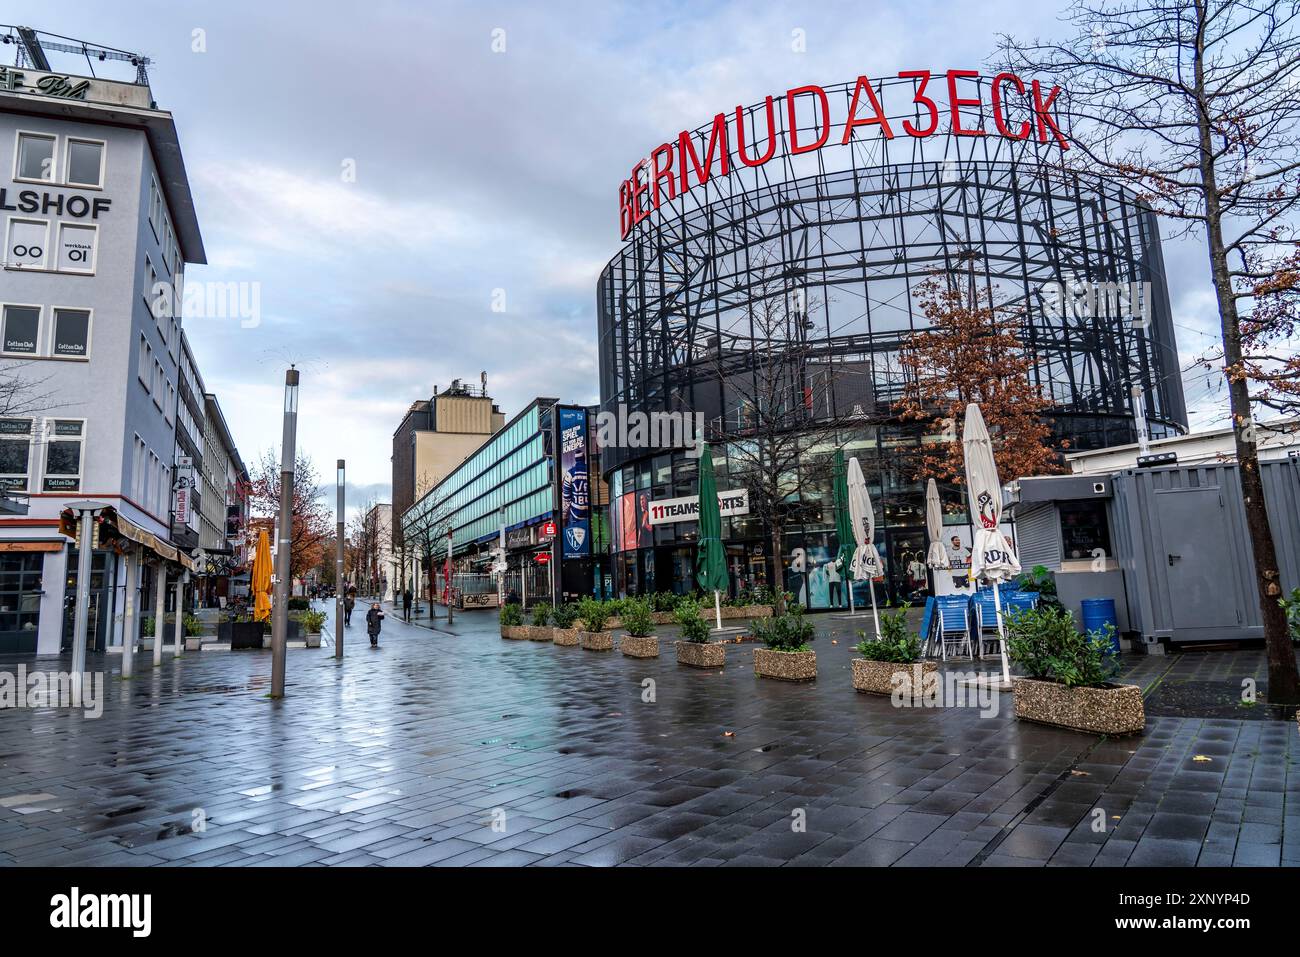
(954, 103)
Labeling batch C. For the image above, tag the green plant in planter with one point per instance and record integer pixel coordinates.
(147, 626)
(564, 615)
(788, 632)
(638, 619)
(896, 642)
(299, 603)
(1046, 644)
(1040, 579)
(511, 615)
(1291, 605)
(594, 614)
(193, 626)
(542, 614)
(313, 622)
(694, 627)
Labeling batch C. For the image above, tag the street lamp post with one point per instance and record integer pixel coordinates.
(81, 616)
(280, 608)
(451, 599)
(338, 567)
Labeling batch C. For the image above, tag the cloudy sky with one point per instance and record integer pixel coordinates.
(475, 171)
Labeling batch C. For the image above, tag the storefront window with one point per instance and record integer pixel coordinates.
(1083, 529)
(20, 600)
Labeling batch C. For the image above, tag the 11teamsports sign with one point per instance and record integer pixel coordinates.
(687, 509)
(674, 168)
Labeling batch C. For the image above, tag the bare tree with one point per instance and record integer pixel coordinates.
(1196, 105)
(20, 394)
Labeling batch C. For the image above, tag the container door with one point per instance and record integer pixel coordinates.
(1202, 594)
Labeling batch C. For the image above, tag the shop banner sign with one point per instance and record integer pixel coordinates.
(575, 489)
(669, 510)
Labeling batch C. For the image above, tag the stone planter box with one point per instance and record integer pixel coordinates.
(639, 646)
(877, 677)
(540, 633)
(313, 639)
(516, 632)
(701, 654)
(1115, 709)
(596, 640)
(786, 665)
(741, 611)
(565, 637)
(246, 634)
(194, 644)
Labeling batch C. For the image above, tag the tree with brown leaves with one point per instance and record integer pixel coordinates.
(972, 352)
(313, 521)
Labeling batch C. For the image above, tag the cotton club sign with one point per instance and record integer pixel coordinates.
(674, 168)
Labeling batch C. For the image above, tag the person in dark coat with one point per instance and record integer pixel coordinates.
(374, 620)
(406, 604)
(349, 602)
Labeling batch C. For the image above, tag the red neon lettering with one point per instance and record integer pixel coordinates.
(624, 208)
(955, 103)
(879, 117)
(771, 135)
(790, 97)
(685, 147)
(1043, 114)
(661, 172)
(638, 187)
(999, 117)
(922, 100)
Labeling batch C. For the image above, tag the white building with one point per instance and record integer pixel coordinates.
(96, 210)
(1274, 440)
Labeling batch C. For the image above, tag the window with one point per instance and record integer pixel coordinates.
(22, 327)
(27, 243)
(35, 160)
(76, 248)
(20, 591)
(15, 453)
(63, 456)
(71, 333)
(143, 362)
(85, 163)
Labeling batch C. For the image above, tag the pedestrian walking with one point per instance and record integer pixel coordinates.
(406, 604)
(349, 602)
(374, 618)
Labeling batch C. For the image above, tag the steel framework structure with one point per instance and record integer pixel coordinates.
(844, 233)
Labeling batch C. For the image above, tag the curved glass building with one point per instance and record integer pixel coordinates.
(841, 234)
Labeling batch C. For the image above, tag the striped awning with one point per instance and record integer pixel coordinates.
(129, 530)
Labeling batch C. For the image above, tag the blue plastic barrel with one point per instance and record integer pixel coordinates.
(1097, 614)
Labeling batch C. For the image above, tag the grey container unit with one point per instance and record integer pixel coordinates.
(1180, 538)
(1091, 572)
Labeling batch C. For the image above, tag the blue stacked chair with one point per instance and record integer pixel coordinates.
(952, 625)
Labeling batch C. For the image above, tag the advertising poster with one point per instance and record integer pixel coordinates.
(575, 487)
(627, 518)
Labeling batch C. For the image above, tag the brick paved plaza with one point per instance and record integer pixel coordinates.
(463, 749)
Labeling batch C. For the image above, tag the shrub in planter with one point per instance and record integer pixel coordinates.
(1291, 606)
(593, 636)
(787, 655)
(298, 603)
(638, 619)
(892, 661)
(511, 617)
(695, 649)
(1068, 683)
(564, 633)
(541, 629)
(313, 622)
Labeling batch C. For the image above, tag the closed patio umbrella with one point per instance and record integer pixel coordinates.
(992, 557)
(866, 560)
(937, 558)
(710, 558)
(844, 524)
(261, 578)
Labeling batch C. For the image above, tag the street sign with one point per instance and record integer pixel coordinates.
(548, 529)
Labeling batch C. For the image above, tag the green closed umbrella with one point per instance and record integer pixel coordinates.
(844, 524)
(710, 559)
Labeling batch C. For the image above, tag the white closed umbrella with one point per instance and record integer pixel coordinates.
(992, 556)
(866, 560)
(937, 558)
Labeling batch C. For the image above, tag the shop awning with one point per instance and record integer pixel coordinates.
(129, 530)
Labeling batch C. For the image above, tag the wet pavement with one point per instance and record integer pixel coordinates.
(449, 746)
